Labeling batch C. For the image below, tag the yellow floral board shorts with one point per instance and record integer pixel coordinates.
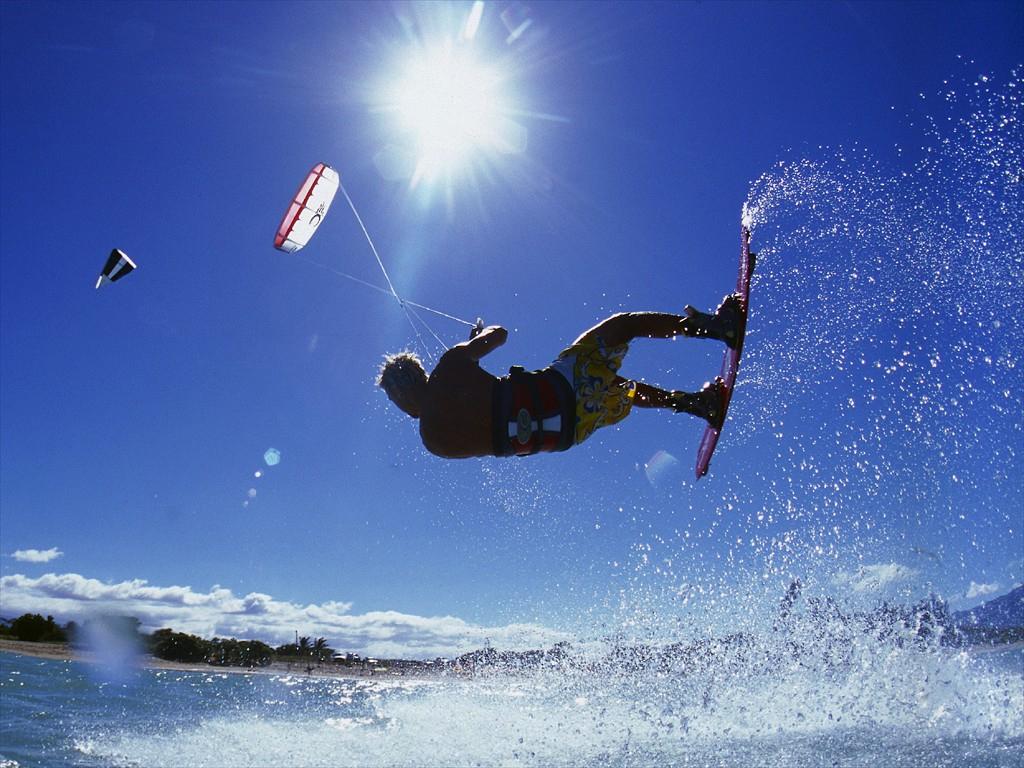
(592, 368)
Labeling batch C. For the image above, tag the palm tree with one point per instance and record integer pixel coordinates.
(304, 647)
(320, 648)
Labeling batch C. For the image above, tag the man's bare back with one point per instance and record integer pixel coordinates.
(455, 414)
(454, 404)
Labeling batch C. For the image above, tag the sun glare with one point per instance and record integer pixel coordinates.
(451, 107)
(452, 119)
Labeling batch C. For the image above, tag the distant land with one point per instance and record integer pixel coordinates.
(815, 626)
(1003, 612)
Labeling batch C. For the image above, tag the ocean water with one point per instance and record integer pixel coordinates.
(872, 705)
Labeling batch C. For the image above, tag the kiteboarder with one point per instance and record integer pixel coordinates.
(465, 411)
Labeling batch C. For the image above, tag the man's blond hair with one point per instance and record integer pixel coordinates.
(399, 370)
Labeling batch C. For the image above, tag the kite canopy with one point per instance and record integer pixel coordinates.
(307, 209)
(118, 265)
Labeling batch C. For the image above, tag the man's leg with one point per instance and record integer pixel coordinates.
(706, 404)
(626, 326)
(623, 327)
(648, 396)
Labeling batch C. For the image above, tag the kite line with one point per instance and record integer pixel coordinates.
(409, 307)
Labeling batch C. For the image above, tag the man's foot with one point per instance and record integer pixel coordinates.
(723, 325)
(707, 403)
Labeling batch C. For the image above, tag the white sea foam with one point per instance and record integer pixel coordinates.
(912, 700)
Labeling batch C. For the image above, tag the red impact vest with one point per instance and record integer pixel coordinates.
(533, 411)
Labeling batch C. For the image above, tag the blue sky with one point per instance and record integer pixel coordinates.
(135, 418)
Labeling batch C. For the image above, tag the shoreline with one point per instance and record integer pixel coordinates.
(65, 652)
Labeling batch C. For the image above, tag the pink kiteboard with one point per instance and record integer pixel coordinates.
(731, 358)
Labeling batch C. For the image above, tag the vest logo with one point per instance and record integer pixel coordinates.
(524, 426)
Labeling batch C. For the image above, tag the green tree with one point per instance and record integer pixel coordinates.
(240, 653)
(34, 628)
(178, 646)
(288, 649)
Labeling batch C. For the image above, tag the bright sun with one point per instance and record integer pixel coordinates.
(451, 107)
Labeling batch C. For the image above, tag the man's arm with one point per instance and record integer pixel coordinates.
(485, 342)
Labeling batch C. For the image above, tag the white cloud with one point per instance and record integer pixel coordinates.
(37, 555)
(979, 590)
(219, 612)
(876, 577)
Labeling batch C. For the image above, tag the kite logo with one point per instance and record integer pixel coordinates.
(317, 217)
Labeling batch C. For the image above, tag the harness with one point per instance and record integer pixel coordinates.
(533, 412)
